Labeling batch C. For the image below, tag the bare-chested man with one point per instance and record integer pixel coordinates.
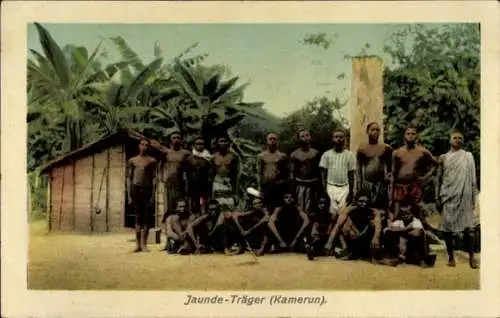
(225, 175)
(288, 223)
(253, 227)
(273, 172)
(304, 172)
(198, 176)
(412, 167)
(141, 183)
(374, 161)
(174, 172)
(176, 229)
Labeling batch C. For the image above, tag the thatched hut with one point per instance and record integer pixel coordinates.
(87, 187)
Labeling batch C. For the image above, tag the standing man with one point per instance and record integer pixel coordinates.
(412, 167)
(456, 190)
(225, 175)
(273, 172)
(174, 170)
(141, 185)
(337, 173)
(374, 161)
(304, 172)
(198, 176)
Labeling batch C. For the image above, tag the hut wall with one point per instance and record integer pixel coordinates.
(83, 186)
(61, 209)
(99, 191)
(116, 194)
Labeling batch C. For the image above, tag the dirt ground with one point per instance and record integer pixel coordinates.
(72, 262)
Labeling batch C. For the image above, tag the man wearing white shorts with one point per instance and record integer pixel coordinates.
(337, 173)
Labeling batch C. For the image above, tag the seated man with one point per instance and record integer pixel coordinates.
(176, 229)
(405, 237)
(288, 223)
(213, 230)
(361, 227)
(322, 222)
(253, 226)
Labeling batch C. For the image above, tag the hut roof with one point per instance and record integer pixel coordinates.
(104, 142)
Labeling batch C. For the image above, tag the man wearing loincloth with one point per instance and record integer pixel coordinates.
(225, 175)
(288, 223)
(337, 173)
(374, 161)
(361, 226)
(412, 167)
(198, 176)
(174, 170)
(176, 226)
(273, 172)
(253, 225)
(456, 192)
(304, 172)
(141, 185)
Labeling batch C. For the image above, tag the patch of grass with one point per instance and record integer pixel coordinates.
(74, 261)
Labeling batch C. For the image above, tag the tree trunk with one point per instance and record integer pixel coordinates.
(367, 98)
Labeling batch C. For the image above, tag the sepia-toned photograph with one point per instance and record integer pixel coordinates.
(220, 156)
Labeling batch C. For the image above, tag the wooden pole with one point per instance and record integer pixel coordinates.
(107, 189)
(367, 98)
(91, 211)
(61, 199)
(74, 195)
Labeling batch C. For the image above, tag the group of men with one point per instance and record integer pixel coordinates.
(367, 204)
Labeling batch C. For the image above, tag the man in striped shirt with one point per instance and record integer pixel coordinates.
(338, 166)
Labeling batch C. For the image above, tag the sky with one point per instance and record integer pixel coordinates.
(282, 71)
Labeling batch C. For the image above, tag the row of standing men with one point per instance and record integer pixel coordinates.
(387, 178)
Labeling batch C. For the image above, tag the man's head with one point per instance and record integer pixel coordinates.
(223, 142)
(288, 198)
(257, 203)
(411, 135)
(362, 199)
(144, 145)
(213, 207)
(272, 140)
(199, 144)
(304, 137)
(181, 207)
(176, 139)
(373, 131)
(456, 140)
(339, 139)
(323, 203)
(405, 212)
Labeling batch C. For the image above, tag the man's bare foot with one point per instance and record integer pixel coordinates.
(451, 263)
(473, 264)
(137, 250)
(259, 252)
(227, 252)
(145, 249)
(389, 262)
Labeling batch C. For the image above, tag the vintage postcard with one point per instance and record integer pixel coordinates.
(250, 159)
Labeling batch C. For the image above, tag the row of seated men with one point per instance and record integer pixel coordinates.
(358, 232)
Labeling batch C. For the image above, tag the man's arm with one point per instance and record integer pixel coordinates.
(360, 172)
(377, 222)
(154, 165)
(323, 166)
(130, 175)
(235, 171)
(259, 172)
(394, 174)
(388, 162)
(351, 177)
(291, 167)
(171, 233)
(431, 164)
(438, 181)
